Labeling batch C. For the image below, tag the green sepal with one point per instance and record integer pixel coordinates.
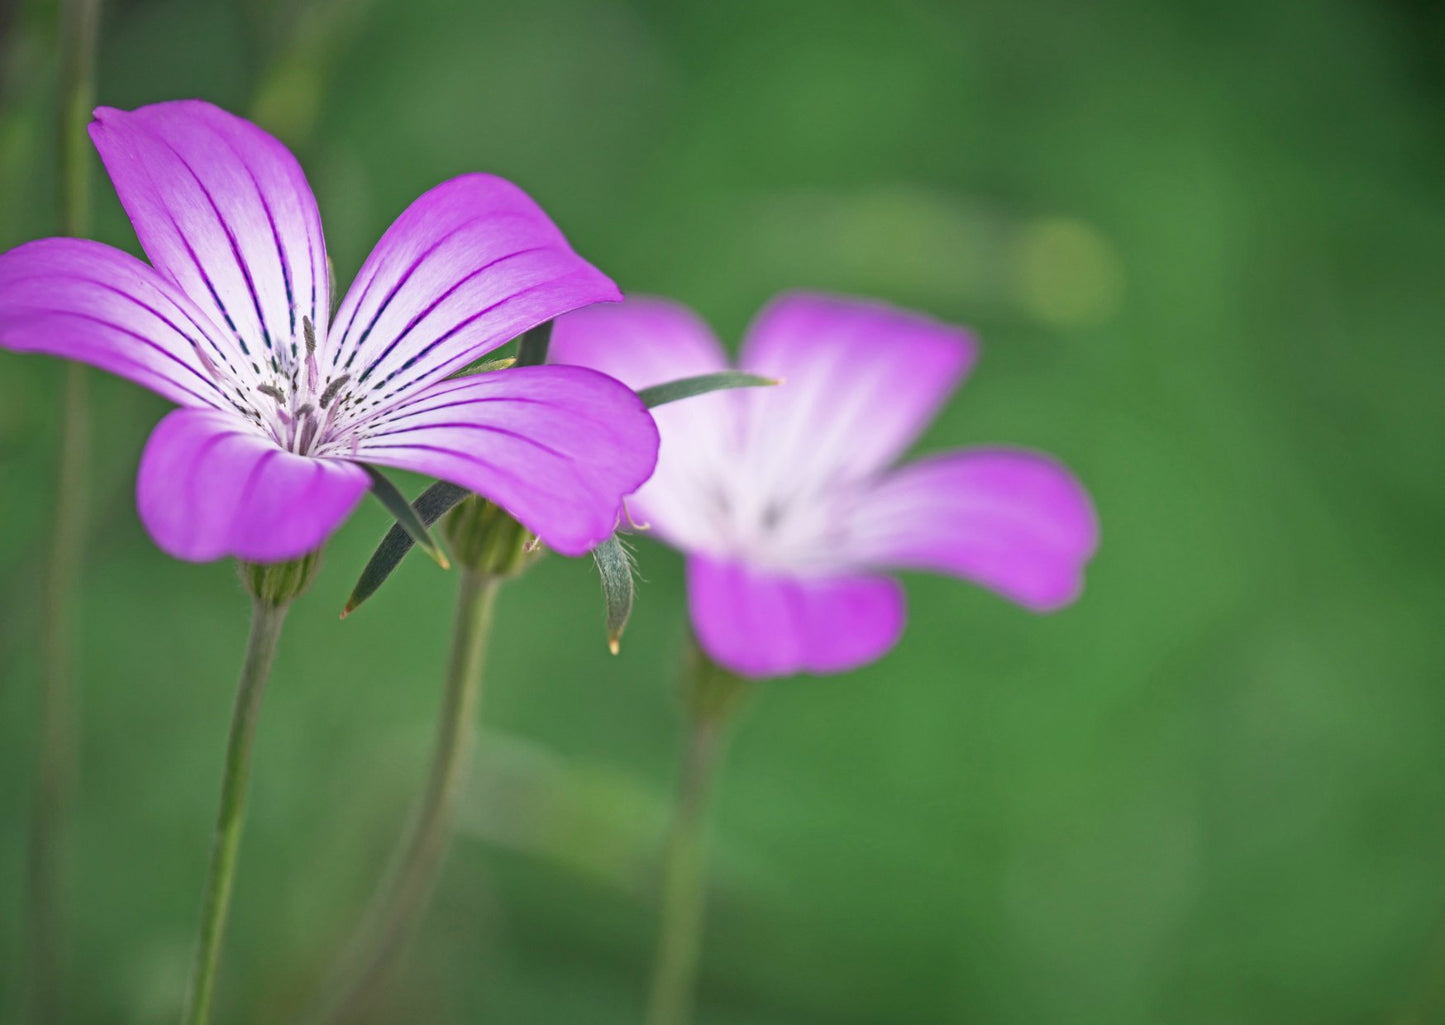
(687, 387)
(433, 503)
(614, 564)
(484, 366)
(531, 352)
(406, 517)
(532, 349)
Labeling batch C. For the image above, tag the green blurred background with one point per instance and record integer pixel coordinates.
(1203, 245)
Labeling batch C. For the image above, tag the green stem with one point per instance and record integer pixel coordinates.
(399, 907)
(266, 621)
(713, 697)
(80, 29)
(57, 757)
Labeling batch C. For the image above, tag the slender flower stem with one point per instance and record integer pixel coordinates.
(713, 697)
(266, 621)
(398, 910)
(56, 759)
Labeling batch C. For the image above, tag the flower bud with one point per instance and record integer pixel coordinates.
(485, 539)
(279, 583)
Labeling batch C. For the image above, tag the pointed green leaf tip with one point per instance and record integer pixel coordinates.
(614, 563)
(406, 516)
(433, 503)
(484, 366)
(687, 387)
(531, 352)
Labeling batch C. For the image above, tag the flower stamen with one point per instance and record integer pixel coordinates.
(332, 389)
(313, 374)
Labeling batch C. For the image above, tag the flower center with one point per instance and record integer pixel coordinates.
(301, 412)
(797, 532)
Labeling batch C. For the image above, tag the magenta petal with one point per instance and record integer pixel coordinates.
(224, 210)
(210, 486)
(557, 447)
(861, 380)
(88, 302)
(467, 267)
(643, 342)
(761, 624)
(1017, 522)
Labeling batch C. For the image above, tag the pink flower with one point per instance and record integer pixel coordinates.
(279, 404)
(786, 501)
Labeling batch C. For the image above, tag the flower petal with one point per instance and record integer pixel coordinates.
(762, 624)
(861, 380)
(647, 341)
(224, 211)
(88, 302)
(641, 341)
(557, 447)
(467, 267)
(210, 486)
(1014, 521)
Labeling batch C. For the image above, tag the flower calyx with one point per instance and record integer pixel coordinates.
(485, 539)
(277, 584)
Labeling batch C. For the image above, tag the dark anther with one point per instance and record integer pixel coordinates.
(332, 388)
(273, 391)
(309, 330)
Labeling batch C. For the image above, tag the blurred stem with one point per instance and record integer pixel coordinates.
(79, 28)
(55, 770)
(402, 901)
(713, 697)
(266, 621)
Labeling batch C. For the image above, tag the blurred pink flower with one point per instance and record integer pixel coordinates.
(785, 500)
(231, 321)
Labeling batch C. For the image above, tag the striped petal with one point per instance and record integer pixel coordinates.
(861, 380)
(224, 211)
(88, 302)
(210, 486)
(643, 342)
(557, 447)
(763, 624)
(1014, 521)
(466, 268)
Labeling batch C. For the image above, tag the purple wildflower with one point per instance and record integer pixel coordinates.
(785, 500)
(279, 403)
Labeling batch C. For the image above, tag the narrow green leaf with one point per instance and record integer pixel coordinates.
(687, 387)
(532, 350)
(430, 506)
(483, 366)
(406, 516)
(614, 563)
